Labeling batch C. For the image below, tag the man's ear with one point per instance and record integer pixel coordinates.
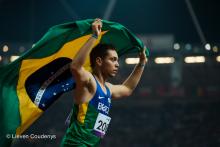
(99, 61)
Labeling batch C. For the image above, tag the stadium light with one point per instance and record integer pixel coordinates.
(13, 58)
(194, 59)
(176, 46)
(188, 46)
(164, 60)
(218, 58)
(132, 60)
(215, 49)
(5, 48)
(208, 46)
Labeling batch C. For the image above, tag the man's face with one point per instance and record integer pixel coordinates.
(110, 63)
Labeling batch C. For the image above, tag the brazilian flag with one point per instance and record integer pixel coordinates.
(30, 84)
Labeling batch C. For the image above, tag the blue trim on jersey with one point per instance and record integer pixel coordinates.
(101, 101)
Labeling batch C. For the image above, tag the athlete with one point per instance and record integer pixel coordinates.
(92, 96)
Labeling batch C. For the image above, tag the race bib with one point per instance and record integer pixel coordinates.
(101, 125)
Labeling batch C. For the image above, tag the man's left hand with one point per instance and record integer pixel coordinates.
(142, 56)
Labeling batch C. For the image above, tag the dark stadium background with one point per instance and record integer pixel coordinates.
(175, 105)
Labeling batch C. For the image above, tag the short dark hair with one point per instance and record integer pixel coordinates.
(100, 50)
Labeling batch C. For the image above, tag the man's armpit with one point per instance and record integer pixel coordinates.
(90, 85)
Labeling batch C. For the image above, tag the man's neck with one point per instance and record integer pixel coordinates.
(99, 76)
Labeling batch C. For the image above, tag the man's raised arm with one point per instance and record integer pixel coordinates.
(83, 53)
(131, 82)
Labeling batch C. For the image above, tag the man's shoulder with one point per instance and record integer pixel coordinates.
(108, 83)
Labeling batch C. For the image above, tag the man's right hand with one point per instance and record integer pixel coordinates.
(97, 26)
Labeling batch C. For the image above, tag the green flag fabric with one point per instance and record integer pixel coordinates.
(30, 84)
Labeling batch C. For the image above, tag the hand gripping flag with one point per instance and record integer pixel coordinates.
(30, 84)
